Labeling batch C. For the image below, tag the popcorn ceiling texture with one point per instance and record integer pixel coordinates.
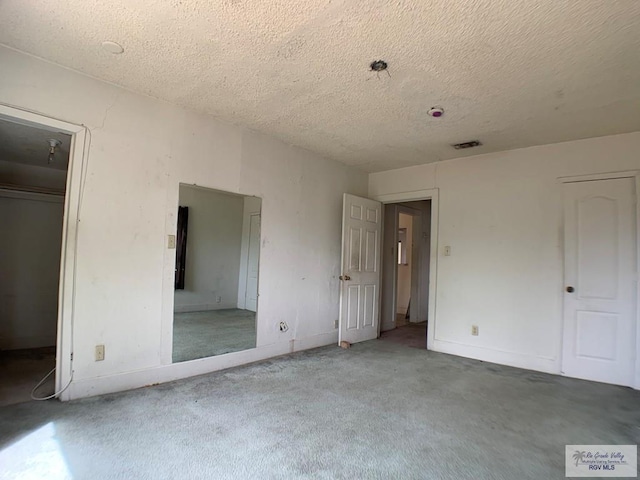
(512, 73)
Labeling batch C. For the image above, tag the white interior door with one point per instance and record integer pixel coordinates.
(600, 285)
(251, 295)
(360, 279)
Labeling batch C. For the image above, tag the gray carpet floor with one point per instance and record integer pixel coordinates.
(412, 335)
(21, 370)
(214, 332)
(378, 410)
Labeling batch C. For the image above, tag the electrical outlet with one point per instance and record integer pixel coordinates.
(447, 251)
(283, 326)
(218, 299)
(171, 241)
(474, 330)
(336, 324)
(99, 353)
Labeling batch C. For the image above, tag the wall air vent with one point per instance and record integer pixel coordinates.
(471, 144)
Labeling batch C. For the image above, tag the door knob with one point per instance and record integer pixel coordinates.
(571, 289)
(345, 277)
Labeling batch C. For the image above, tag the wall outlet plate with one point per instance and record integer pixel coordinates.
(171, 241)
(474, 330)
(336, 324)
(283, 326)
(99, 353)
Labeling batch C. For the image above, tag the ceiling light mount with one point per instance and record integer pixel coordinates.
(379, 65)
(435, 112)
(53, 144)
(113, 47)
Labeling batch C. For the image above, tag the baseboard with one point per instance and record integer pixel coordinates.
(89, 387)
(202, 307)
(385, 327)
(315, 341)
(511, 359)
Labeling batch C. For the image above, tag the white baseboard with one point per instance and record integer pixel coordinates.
(386, 326)
(88, 387)
(511, 359)
(202, 307)
(315, 341)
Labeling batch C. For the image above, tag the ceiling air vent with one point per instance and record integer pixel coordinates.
(471, 144)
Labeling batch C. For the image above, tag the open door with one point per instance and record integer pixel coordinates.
(360, 279)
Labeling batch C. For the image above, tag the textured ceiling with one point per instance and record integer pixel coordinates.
(511, 73)
(30, 146)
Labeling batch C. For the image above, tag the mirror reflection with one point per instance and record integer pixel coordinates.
(216, 277)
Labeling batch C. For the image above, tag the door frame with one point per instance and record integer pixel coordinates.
(76, 175)
(428, 194)
(635, 174)
(246, 278)
(244, 252)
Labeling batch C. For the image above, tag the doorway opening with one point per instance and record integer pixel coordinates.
(406, 263)
(369, 264)
(34, 161)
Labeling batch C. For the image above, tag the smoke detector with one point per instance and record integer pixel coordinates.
(435, 112)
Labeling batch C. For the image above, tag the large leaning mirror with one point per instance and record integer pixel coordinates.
(216, 278)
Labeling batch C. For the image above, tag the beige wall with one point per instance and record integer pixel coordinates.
(214, 237)
(30, 246)
(140, 150)
(501, 214)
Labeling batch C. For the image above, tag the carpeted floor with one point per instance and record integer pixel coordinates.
(21, 370)
(214, 332)
(412, 335)
(378, 410)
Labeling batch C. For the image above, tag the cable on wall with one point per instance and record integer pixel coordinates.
(54, 394)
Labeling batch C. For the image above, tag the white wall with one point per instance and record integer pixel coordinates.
(388, 284)
(214, 235)
(422, 248)
(30, 246)
(501, 214)
(13, 173)
(404, 270)
(141, 149)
